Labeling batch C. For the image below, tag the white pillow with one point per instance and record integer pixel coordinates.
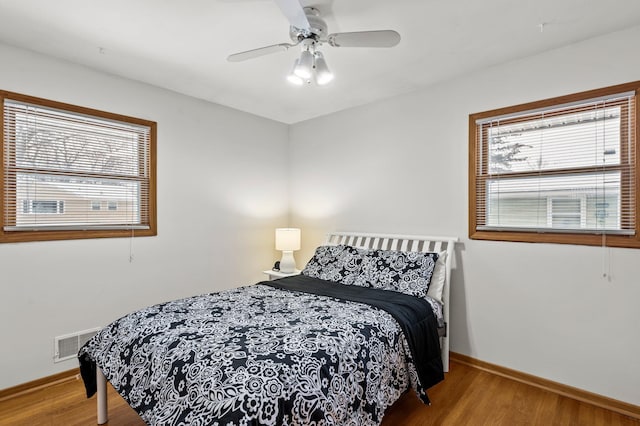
(437, 278)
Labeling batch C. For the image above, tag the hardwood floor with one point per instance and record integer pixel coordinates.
(468, 396)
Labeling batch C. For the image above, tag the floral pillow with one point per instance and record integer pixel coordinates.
(338, 263)
(405, 272)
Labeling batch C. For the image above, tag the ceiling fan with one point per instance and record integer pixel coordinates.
(308, 30)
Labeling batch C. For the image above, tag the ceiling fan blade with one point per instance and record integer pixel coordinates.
(294, 12)
(261, 51)
(382, 38)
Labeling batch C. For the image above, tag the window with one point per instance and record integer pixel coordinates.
(562, 170)
(72, 172)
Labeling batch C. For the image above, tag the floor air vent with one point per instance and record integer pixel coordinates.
(67, 346)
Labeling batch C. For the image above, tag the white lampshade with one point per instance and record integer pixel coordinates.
(287, 239)
(323, 75)
(304, 67)
(293, 78)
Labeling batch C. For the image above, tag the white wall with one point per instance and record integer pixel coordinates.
(401, 166)
(221, 191)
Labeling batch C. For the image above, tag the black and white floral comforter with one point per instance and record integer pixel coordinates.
(267, 355)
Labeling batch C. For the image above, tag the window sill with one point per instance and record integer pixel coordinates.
(26, 236)
(624, 241)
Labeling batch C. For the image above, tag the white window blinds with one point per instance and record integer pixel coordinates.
(566, 168)
(66, 170)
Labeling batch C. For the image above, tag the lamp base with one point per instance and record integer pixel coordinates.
(287, 263)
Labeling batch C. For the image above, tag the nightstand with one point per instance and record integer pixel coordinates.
(274, 275)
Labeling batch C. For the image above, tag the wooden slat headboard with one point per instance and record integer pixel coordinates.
(420, 243)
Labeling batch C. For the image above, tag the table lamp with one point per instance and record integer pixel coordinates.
(287, 240)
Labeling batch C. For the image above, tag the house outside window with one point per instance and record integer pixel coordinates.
(78, 172)
(42, 206)
(567, 212)
(560, 170)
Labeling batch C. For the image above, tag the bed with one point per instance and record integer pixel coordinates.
(365, 322)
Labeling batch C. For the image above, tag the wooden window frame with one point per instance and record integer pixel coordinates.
(53, 235)
(538, 235)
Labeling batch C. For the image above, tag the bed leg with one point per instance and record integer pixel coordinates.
(101, 383)
(445, 359)
(444, 344)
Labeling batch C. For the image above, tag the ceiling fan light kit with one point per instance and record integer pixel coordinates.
(310, 66)
(310, 30)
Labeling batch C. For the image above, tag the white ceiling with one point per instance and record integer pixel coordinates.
(182, 45)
